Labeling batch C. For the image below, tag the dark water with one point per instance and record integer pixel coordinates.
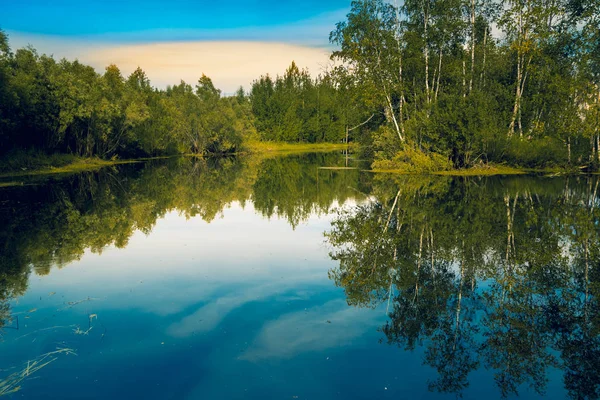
(275, 278)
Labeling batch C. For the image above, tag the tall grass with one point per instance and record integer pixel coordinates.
(12, 383)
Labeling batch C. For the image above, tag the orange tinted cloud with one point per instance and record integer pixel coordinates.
(229, 63)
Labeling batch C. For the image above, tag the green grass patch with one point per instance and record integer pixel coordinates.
(284, 147)
(17, 164)
(10, 183)
(337, 168)
(413, 161)
(483, 170)
(77, 165)
(479, 170)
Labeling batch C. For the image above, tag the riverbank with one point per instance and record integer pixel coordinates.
(257, 147)
(27, 164)
(24, 164)
(488, 170)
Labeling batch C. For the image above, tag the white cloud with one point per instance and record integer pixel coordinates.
(209, 317)
(231, 57)
(309, 330)
(229, 63)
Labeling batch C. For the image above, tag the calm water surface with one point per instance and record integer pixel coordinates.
(286, 278)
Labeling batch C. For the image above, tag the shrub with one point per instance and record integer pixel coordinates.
(411, 160)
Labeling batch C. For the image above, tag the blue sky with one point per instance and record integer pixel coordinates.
(152, 20)
(233, 41)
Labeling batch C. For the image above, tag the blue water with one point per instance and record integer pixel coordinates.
(184, 314)
(239, 306)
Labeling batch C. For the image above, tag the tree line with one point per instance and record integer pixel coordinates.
(296, 107)
(434, 84)
(515, 81)
(67, 107)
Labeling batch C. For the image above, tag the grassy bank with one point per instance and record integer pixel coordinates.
(23, 164)
(266, 149)
(486, 170)
(255, 147)
(36, 163)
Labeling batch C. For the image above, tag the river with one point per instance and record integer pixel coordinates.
(297, 277)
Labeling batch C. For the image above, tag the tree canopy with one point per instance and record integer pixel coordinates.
(434, 84)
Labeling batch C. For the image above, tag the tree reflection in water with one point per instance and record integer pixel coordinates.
(494, 273)
(52, 222)
(486, 273)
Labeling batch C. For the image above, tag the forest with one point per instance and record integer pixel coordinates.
(464, 82)
(429, 85)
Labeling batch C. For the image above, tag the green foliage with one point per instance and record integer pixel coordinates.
(18, 160)
(296, 108)
(444, 84)
(413, 161)
(406, 158)
(544, 152)
(426, 75)
(66, 107)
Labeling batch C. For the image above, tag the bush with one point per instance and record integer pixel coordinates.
(18, 160)
(414, 161)
(385, 143)
(530, 153)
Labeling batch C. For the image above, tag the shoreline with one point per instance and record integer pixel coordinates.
(73, 164)
(491, 170)
(78, 164)
(257, 147)
(64, 163)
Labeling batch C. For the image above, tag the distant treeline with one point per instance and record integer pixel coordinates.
(295, 107)
(64, 106)
(428, 85)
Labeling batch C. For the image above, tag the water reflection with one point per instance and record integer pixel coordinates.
(189, 274)
(53, 222)
(488, 274)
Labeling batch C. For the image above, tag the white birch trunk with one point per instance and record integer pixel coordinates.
(426, 48)
(482, 77)
(437, 88)
(472, 45)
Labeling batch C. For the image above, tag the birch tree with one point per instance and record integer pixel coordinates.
(367, 45)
